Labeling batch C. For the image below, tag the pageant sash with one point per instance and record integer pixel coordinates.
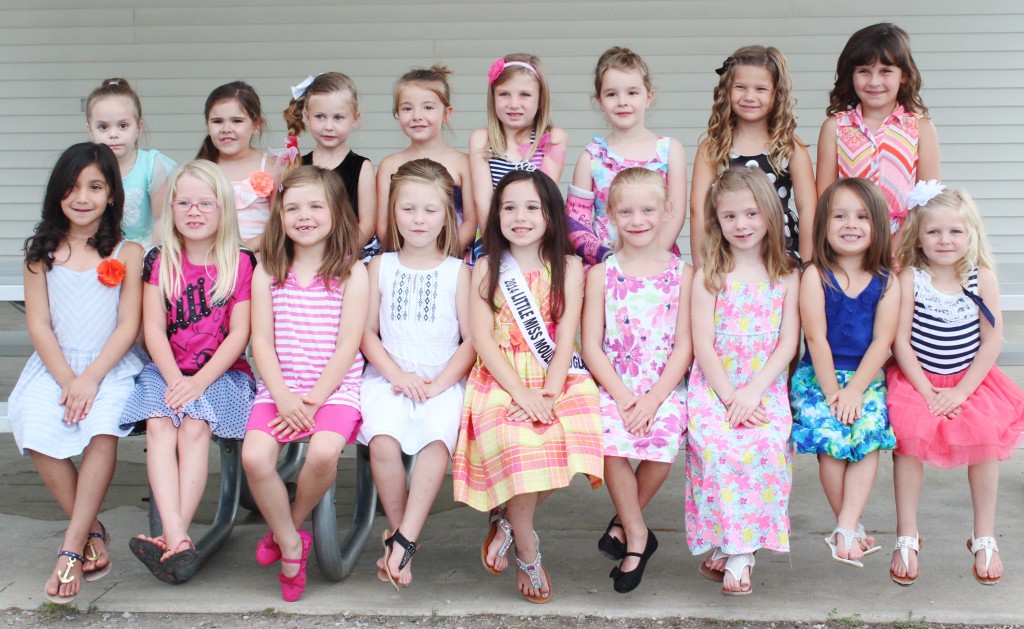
(527, 315)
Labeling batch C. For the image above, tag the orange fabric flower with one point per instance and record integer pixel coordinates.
(262, 183)
(110, 272)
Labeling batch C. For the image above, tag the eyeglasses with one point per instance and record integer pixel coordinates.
(205, 206)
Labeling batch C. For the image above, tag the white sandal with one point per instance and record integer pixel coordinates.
(905, 544)
(863, 536)
(988, 544)
(734, 566)
(848, 538)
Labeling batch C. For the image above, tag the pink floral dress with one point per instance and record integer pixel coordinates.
(738, 479)
(639, 335)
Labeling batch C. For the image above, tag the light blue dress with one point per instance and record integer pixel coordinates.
(151, 170)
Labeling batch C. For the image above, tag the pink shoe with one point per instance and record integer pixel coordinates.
(267, 550)
(293, 587)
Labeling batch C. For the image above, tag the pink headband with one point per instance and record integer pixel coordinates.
(499, 66)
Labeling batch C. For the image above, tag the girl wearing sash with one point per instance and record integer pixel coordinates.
(636, 339)
(531, 419)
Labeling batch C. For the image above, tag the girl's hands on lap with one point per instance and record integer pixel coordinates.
(745, 401)
(411, 386)
(282, 429)
(846, 405)
(77, 398)
(293, 416)
(537, 404)
(625, 407)
(182, 391)
(946, 401)
(641, 417)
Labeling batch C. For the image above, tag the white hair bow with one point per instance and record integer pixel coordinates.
(924, 192)
(300, 89)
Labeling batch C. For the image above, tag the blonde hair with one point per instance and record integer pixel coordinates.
(715, 249)
(429, 172)
(433, 79)
(619, 58)
(341, 250)
(781, 121)
(542, 121)
(636, 176)
(326, 83)
(978, 252)
(226, 243)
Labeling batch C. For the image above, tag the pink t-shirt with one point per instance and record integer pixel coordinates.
(195, 326)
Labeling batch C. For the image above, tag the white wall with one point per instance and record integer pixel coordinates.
(53, 53)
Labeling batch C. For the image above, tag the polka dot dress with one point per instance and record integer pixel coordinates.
(783, 184)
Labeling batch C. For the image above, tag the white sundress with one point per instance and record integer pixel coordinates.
(419, 327)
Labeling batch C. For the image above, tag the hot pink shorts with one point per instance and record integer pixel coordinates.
(337, 418)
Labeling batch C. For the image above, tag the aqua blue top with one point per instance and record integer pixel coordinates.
(151, 170)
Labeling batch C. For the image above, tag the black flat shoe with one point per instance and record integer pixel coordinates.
(628, 581)
(609, 546)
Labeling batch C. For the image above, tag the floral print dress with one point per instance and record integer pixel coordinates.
(639, 335)
(738, 479)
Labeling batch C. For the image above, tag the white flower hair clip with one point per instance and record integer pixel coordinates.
(924, 192)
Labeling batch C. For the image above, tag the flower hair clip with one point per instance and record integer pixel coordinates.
(924, 192)
(110, 272)
(728, 63)
(298, 91)
(499, 66)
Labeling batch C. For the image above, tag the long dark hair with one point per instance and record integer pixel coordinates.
(51, 230)
(888, 44)
(554, 245)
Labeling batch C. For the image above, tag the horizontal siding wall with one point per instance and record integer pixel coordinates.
(53, 53)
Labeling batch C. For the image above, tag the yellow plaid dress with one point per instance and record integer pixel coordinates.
(495, 458)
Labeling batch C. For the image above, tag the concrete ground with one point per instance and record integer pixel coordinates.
(449, 580)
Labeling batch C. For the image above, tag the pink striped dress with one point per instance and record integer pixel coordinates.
(306, 322)
(887, 157)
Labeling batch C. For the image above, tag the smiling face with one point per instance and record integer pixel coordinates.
(849, 225)
(742, 221)
(943, 238)
(623, 98)
(421, 113)
(877, 86)
(331, 118)
(752, 93)
(196, 210)
(87, 200)
(521, 215)
(638, 212)
(307, 215)
(114, 121)
(516, 101)
(230, 128)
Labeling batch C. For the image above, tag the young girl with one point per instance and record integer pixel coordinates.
(233, 118)
(636, 341)
(415, 384)
(752, 124)
(531, 419)
(196, 313)
(949, 404)
(519, 133)
(622, 87)
(849, 304)
(746, 328)
(423, 108)
(113, 115)
(328, 104)
(877, 126)
(309, 309)
(69, 397)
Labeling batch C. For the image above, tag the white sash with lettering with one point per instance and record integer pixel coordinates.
(527, 315)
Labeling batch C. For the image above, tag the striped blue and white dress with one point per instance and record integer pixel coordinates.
(83, 315)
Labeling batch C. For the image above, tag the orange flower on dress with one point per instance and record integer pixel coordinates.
(110, 272)
(262, 183)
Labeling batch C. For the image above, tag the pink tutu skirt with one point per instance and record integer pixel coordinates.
(988, 427)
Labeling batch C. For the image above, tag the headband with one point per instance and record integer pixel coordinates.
(499, 66)
(728, 63)
(298, 91)
(924, 192)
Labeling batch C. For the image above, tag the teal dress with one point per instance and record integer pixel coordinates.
(850, 325)
(151, 170)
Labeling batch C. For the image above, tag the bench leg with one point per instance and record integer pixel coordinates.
(336, 559)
